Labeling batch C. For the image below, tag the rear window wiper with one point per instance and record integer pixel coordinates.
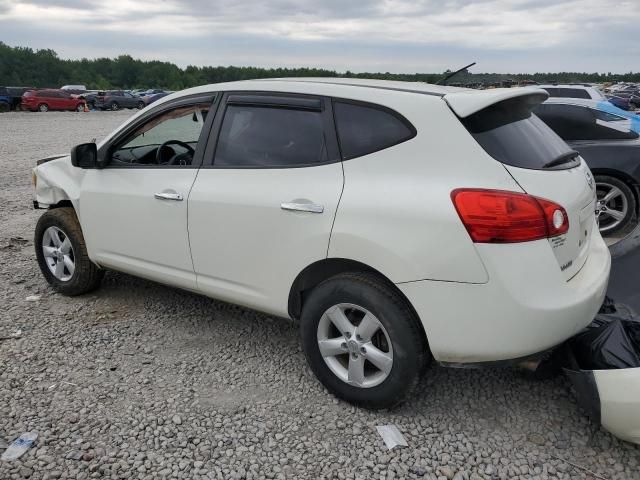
(566, 157)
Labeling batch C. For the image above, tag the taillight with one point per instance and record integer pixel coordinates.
(497, 216)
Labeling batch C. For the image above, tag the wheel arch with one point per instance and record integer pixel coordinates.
(324, 269)
(62, 204)
(623, 177)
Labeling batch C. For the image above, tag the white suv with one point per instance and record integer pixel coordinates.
(395, 221)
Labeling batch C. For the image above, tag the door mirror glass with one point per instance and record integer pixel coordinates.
(85, 155)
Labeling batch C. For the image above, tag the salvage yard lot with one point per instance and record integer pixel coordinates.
(138, 380)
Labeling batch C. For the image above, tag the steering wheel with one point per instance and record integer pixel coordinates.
(184, 145)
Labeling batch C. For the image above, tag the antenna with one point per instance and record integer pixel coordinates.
(452, 74)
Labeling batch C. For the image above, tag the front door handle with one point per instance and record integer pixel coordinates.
(302, 207)
(168, 196)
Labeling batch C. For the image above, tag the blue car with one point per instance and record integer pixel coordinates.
(5, 100)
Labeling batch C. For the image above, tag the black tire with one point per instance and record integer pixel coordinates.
(87, 275)
(630, 200)
(80, 107)
(114, 106)
(141, 105)
(43, 107)
(4, 107)
(410, 349)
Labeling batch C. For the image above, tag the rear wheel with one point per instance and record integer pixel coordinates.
(4, 107)
(616, 205)
(43, 107)
(62, 254)
(140, 105)
(114, 106)
(362, 340)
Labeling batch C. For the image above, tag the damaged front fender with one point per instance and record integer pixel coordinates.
(56, 180)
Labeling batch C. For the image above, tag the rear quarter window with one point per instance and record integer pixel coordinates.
(366, 128)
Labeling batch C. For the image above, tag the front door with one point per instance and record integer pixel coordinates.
(134, 211)
(263, 204)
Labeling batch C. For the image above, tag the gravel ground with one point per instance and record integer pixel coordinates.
(143, 381)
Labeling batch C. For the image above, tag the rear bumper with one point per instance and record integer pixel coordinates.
(526, 307)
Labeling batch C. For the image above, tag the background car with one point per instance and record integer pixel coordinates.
(612, 151)
(149, 99)
(5, 100)
(572, 91)
(117, 99)
(620, 102)
(614, 112)
(45, 100)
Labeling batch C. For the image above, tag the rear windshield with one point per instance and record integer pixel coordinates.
(511, 134)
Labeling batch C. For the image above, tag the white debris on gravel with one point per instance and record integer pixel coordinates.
(392, 436)
(207, 390)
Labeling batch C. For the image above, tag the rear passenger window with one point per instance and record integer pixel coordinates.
(366, 129)
(260, 136)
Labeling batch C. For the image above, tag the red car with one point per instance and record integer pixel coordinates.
(45, 100)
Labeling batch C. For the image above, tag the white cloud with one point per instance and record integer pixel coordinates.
(479, 28)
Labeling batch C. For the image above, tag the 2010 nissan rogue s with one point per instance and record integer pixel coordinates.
(397, 222)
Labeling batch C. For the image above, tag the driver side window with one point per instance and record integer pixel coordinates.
(167, 140)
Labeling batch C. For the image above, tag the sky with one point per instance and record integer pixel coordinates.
(399, 36)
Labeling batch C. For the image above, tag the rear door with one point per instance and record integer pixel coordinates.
(263, 204)
(543, 165)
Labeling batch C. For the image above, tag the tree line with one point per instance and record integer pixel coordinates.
(23, 66)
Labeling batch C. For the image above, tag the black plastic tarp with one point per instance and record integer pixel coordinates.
(609, 342)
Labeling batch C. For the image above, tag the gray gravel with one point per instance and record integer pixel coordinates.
(143, 381)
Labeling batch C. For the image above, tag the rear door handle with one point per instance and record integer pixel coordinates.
(168, 196)
(302, 207)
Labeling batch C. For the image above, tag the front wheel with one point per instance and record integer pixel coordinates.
(362, 340)
(62, 254)
(80, 107)
(43, 107)
(141, 105)
(115, 106)
(616, 205)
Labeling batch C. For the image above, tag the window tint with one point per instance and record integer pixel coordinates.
(512, 135)
(182, 124)
(259, 136)
(366, 129)
(574, 122)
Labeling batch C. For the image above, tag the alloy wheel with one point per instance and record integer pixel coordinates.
(58, 253)
(612, 206)
(354, 345)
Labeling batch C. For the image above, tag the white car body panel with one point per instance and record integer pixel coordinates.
(468, 102)
(575, 190)
(245, 247)
(526, 307)
(619, 392)
(477, 302)
(58, 180)
(395, 227)
(114, 206)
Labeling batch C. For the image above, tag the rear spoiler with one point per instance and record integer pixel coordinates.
(467, 103)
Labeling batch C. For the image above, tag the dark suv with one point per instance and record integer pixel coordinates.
(117, 99)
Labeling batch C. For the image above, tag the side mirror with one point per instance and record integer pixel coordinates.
(85, 155)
